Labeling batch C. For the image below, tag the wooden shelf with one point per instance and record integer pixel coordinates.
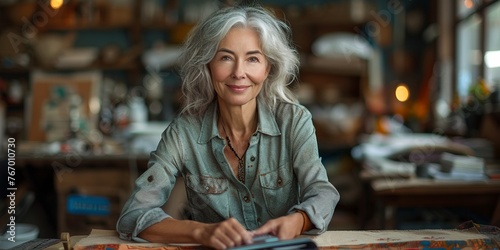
(345, 13)
(14, 70)
(96, 26)
(107, 26)
(95, 66)
(351, 66)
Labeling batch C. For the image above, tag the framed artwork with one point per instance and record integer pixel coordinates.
(62, 104)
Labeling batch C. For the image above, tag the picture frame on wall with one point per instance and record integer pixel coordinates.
(62, 105)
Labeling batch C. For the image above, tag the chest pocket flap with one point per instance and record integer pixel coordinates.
(277, 178)
(206, 184)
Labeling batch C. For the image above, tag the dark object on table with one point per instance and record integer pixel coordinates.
(298, 243)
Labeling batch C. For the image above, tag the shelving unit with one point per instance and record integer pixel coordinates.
(131, 39)
(94, 21)
(121, 26)
(333, 81)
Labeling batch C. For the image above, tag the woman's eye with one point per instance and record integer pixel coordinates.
(225, 58)
(253, 59)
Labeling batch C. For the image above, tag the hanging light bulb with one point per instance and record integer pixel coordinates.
(468, 4)
(56, 4)
(402, 93)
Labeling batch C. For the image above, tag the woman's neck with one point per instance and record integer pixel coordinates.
(239, 122)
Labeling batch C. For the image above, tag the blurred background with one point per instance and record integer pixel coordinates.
(398, 89)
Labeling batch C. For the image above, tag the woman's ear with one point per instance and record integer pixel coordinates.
(268, 69)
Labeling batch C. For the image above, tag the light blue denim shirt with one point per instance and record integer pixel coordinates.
(284, 173)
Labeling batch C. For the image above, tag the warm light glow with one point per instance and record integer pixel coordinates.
(468, 4)
(56, 4)
(95, 105)
(492, 59)
(402, 93)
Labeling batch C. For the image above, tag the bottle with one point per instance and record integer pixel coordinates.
(138, 110)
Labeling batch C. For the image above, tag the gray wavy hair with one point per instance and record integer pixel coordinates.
(203, 41)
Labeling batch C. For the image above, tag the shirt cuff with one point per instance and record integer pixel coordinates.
(147, 219)
(318, 224)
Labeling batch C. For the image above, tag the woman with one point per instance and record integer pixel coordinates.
(244, 146)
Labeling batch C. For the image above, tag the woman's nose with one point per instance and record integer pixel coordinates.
(239, 71)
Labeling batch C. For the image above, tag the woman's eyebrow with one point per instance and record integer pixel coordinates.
(231, 52)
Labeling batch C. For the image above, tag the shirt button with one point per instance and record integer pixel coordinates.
(150, 178)
(207, 188)
(280, 182)
(246, 199)
(252, 158)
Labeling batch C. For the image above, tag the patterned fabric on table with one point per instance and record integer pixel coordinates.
(467, 236)
(491, 231)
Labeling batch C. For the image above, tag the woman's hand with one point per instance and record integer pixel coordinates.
(229, 233)
(285, 227)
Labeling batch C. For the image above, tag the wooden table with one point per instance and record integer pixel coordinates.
(392, 193)
(469, 238)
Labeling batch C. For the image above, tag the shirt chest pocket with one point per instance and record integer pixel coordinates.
(278, 190)
(206, 185)
(207, 198)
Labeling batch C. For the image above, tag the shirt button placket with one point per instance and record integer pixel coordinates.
(249, 210)
(246, 199)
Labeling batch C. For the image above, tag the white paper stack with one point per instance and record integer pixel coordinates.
(462, 163)
(461, 167)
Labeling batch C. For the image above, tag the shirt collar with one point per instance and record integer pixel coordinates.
(267, 122)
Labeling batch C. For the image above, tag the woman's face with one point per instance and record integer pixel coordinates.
(239, 67)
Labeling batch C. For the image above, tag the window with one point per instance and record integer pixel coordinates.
(469, 54)
(477, 37)
(492, 54)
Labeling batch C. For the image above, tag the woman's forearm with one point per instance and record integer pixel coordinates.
(171, 230)
(221, 235)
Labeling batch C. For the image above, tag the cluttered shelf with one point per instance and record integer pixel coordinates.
(107, 26)
(92, 66)
(40, 154)
(123, 160)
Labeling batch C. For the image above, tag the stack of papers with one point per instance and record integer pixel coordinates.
(459, 167)
(461, 163)
(435, 173)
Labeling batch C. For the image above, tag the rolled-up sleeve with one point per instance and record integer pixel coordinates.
(318, 197)
(152, 189)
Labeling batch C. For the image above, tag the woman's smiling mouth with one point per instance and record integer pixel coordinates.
(238, 88)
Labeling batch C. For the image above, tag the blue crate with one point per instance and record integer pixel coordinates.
(87, 205)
